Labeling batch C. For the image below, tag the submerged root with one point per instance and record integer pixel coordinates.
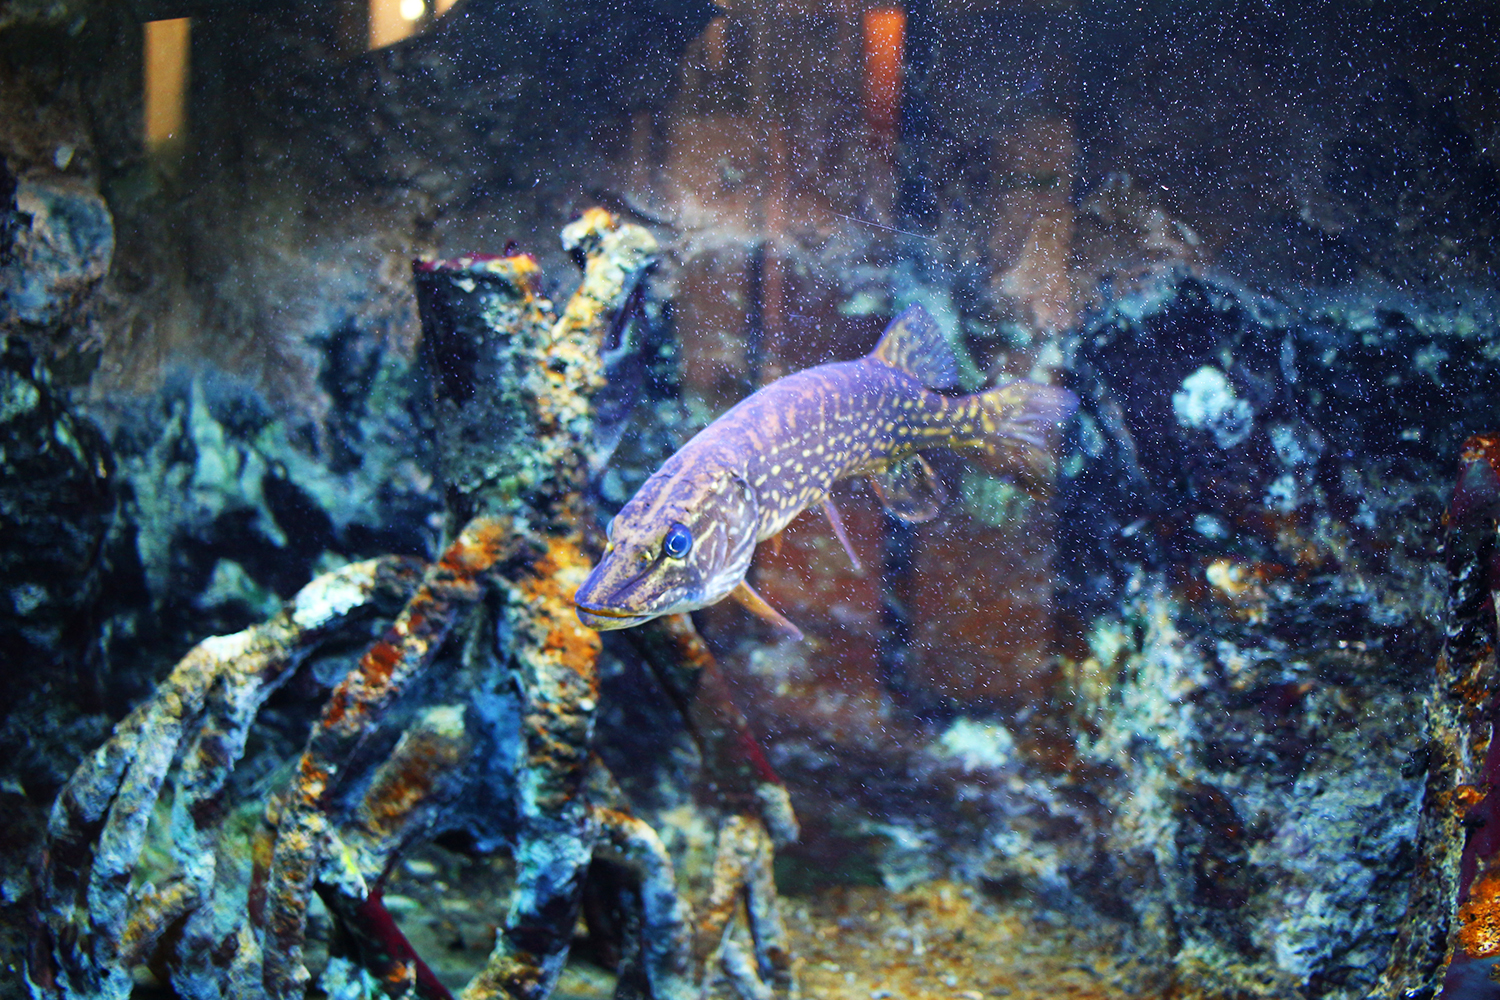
(230, 918)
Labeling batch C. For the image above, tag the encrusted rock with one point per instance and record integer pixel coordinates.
(57, 503)
(1250, 545)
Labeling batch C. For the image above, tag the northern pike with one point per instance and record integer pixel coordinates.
(685, 540)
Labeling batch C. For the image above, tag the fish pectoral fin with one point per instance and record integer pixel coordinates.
(757, 606)
(837, 524)
(910, 490)
(775, 543)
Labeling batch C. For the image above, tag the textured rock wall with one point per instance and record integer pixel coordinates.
(1249, 556)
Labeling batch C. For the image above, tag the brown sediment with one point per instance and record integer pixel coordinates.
(946, 941)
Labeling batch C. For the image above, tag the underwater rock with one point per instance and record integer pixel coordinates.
(234, 504)
(57, 505)
(59, 254)
(1249, 572)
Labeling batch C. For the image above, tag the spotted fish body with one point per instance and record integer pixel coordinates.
(685, 540)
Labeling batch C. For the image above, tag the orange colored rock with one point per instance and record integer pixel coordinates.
(1479, 917)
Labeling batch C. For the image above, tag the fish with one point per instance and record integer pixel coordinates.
(686, 539)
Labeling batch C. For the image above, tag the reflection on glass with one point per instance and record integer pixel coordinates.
(166, 82)
(885, 32)
(393, 20)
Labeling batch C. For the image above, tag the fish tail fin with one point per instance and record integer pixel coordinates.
(915, 344)
(1023, 424)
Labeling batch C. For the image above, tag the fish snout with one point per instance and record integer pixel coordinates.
(602, 620)
(594, 608)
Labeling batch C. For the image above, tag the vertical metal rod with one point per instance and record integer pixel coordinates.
(916, 200)
(916, 211)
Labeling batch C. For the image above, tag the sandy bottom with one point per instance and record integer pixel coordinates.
(936, 941)
(941, 940)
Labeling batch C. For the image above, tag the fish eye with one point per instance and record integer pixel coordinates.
(678, 541)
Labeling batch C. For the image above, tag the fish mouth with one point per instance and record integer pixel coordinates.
(608, 619)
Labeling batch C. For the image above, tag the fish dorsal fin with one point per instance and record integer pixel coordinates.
(910, 490)
(915, 344)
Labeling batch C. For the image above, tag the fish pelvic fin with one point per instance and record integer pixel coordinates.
(761, 608)
(1023, 424)
(916, 345)
(837, 524)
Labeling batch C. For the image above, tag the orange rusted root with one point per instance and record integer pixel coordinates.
(520, 270)
(157, 910)
(1466, 797)
(555, 656)
(550, 368)
(417, 779)
(450, 585)
(555, 659)
(1484, 446)
(1476, 496)
(427, 756)
(742, 876)
(664, 945)
(358, 703)
(617, 259)
(482, 543)
(740, 779)
(548, 590)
